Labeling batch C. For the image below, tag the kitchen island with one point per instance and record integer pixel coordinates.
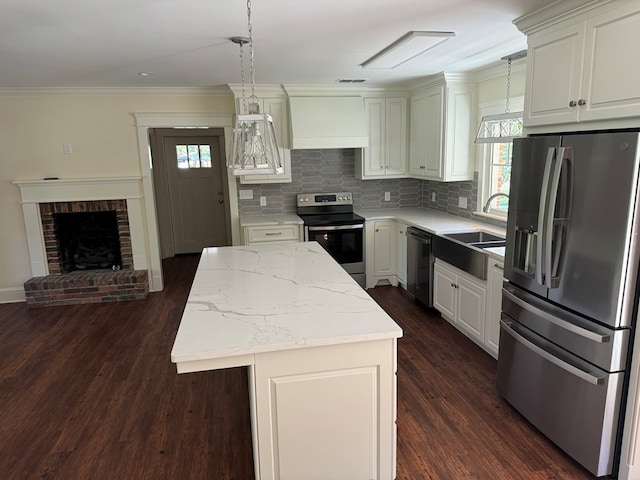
(321, 356)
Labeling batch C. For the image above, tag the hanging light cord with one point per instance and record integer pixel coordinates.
(252, 69)
(508, 83)
(244, 97)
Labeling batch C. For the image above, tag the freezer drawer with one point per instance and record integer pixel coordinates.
(575, 404)
(604, 347)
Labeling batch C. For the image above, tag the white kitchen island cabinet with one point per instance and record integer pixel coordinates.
(321, 356)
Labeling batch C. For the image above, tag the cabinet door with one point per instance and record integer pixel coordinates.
(471, 308)
(444, 291)
(374, 163)
(402, 253)
(611, 88)
(459, 151)
(417, 140)
(494, 306)
(554, 71)
(384, 246)
(396, 136)
(433, 133)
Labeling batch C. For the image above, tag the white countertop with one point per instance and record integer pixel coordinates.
(431, 221)
(253, 299)
(282, 219)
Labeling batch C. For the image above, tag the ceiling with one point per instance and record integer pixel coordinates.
(185, 43)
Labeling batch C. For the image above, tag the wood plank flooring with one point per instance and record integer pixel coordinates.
(89, 392)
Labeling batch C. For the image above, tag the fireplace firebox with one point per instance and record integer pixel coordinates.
(88, 240)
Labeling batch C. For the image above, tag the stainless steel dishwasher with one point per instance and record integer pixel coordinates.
(420, 265)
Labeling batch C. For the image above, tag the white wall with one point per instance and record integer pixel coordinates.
(101, 129)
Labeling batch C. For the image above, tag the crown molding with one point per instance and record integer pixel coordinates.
(320, 90)
(222, 90)
(262, 90)
(555, 12)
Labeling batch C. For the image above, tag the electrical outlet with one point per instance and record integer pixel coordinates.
(246, 194)
(263, 201)
(387, 196)
(462, 202)
(433, 197)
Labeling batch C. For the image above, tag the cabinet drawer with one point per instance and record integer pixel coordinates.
(276, 233)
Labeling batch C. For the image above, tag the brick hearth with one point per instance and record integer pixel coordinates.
(95, 286)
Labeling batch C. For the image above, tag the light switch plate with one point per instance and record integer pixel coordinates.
(433, 196)
(462, 202)
(263, 201)
(387, 196)
(246, 194)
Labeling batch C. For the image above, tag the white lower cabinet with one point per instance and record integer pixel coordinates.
(401, 260)
(494, 306)
(281, 233)
(380, 251)
(461, 299)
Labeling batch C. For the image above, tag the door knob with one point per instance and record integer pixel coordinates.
(582, 102)
(573, 103)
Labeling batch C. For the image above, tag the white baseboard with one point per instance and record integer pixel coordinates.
(12, 295)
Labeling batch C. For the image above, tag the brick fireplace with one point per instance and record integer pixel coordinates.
(54, 282)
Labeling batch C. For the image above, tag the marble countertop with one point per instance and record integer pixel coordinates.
(254, 299)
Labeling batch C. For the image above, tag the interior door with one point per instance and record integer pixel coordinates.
(195, 172)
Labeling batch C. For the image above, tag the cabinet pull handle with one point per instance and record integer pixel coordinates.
(422, 167)
(497, 265)
(273, 233)
(573, 103)
(582, 102)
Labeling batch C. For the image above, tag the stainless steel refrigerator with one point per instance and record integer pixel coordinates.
(570, 294)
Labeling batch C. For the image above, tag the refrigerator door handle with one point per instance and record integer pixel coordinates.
(542, 215)
(583, 332)
(551, 281)
(586, 376)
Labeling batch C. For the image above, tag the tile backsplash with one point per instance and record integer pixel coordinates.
(333, 170)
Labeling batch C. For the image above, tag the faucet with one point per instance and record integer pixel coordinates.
(485, 209)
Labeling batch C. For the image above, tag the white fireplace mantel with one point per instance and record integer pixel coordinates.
(34, 192)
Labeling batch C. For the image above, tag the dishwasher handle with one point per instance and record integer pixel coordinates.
(419, 234)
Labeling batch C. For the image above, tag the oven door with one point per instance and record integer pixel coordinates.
(345, 243)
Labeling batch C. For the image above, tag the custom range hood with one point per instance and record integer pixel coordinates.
(328, 122)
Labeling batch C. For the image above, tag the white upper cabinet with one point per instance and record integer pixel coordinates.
(442, 131)
(386, 155)
(581, 69)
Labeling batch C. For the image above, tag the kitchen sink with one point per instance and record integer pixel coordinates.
(476, 237)
(454, 249)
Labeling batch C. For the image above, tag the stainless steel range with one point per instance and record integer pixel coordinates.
(330, 221)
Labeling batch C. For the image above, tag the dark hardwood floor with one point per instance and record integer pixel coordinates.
(89, 392)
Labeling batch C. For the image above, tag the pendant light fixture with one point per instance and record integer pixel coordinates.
(502, 128)
(255, 147)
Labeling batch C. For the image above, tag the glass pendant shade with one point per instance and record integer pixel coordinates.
(500, 128)
(255, 147)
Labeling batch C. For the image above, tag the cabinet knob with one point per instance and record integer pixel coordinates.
(377, 229)
(573, 103)
(582, 102)
(422, 167)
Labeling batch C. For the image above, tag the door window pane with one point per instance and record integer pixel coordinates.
(181, 154)
(205, 156)
(193, 156)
